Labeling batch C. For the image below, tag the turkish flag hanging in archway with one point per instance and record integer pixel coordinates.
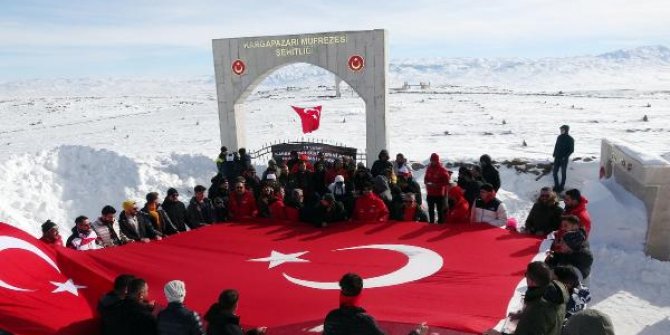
(310, 118)
(456, 277)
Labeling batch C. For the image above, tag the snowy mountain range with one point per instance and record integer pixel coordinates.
(641, 68)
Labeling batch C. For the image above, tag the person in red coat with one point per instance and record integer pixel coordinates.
(575, 204)
(370, 207)
(50, 234)
(459, 208)
(437, 183)
(308, 165)
(242, 204)
(277, 207)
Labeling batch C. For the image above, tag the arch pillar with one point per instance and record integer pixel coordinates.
(357, 57)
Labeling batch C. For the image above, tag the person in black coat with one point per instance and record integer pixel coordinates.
(136, 225)
(362, 176)
(564, 147)
(350, 318)
(109, 304)
(380, 165)
(328, 211)
(200, 211)
(573, 250)
(545, 216)
(222, 320)
(159, 218)
(489, 172)
(176, 319)
(135, 313)
(176, 210)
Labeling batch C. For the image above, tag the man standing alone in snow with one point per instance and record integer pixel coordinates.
(565, 146)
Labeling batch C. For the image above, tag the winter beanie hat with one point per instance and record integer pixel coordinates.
(574, 240)
(48, 225)
(171, 191)
(589, 322)
(271, 176)
(434, 157)
(339, 178)
(175, 291)
(128, 205)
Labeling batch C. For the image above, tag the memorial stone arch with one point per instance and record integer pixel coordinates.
(357, 57)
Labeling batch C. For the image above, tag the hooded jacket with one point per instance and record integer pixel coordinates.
(543, 311)
(459, 211)
(436, 178)
(370, 207)
(581, 212)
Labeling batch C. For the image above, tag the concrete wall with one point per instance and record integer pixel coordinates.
(331, 51)
(648, 177)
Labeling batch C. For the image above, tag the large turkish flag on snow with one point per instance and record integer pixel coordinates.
(458, 277)
(309, 117)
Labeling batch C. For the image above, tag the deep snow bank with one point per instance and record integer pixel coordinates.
(68, 181)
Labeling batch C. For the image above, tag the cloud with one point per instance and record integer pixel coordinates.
(417, 28)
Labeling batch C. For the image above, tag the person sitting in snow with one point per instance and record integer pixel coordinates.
(408, 184)
(222, 318)
(580, 295)
(295, 206)
(381, 164)
(489, 209)
(572, 250)
(328, 210)
(575, 204)
(369, 207)
(362, 176)
(459, 208)
(350, 318)
(242, 204)
(50, 234)
(176, 318)
(409, 210)
(108, 231)
(159, 219)
(200, 210)
(277, 207)
(83, 237)
(109, 305)
(543, 304)
(545, 216)
(400, 166)
(136, 225)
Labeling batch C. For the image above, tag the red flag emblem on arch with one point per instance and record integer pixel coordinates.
(310, 118)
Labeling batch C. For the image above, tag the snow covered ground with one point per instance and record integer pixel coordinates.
(68, 147)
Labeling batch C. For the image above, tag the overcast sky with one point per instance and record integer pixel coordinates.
(45, 39)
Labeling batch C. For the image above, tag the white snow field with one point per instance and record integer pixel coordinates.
(70, 146)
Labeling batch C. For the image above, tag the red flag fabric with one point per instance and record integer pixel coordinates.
(458, 278)
(310, 118)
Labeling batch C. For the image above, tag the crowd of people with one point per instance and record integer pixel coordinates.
(323, 192)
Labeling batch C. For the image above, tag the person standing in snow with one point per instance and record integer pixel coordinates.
(489, 172)
(564, 147)
(488, 209)
(437, 183)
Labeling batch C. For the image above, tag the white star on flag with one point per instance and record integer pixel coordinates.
(277, 258)
(67, 286)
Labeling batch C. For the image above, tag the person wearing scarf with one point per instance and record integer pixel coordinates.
(350, 317)
(83, 237)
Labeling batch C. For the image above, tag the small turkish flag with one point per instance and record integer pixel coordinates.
(310, 117)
